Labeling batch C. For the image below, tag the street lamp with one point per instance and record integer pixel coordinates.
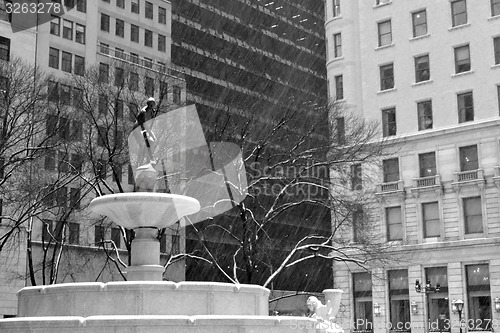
(459, 306)
(428, 288)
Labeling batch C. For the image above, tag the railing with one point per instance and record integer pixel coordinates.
(427, 181)
(391, 186)
(468, 175)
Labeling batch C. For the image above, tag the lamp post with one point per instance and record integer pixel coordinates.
(427, 289)
(459, 306)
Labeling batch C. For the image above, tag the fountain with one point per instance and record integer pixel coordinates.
(145, 303)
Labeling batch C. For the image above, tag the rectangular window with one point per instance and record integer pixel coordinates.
(103, 73)
(419, 20)
(339, 87)
(162, 43)
(427, 164)
(117, 168)
(65, 95)
(386, 77)
(424, 110)
(468, 158)
(66, 62)
(391, 170)
(162, 15)
(116, 237)
(119, 77)
(102, 137)
(358, 228)
(134, 81)
(422, 70)
(394, 223)
(438, 302)
(74, 198)
(384, 33)
(496, 48)
(50, 160)
(68, 29)
(79, 65)
(430, 219)
(4, 16)
(176, 245)
(362, 292)
(163, 90)
(80, 34)
(495, 7)
(498, 97)
(356, 177)
(462, 59)
(148, 10)
(134, 58)
(134, 33)
(100, 169)
(76, 129)
(4, 49)
(176, 92)
(479, 296)
(379, 2)
(458, 12)
(104, 22)
(55, 25)
(54, 58)
(81, 6)
(465, 104)
(63, 166)
(336, 8)
(133, 111)
(130, 175)
(53, 91)
(399, 298)
(389, 122)
(340, 130)
(149, 87)
(103, 104)
(148, 38)
(73, 233)
(119, 28)
(473, 216)
(148, 62)
(134, 6)
(119, 109)
(47, 231)
(103, 48)
(99, 233)
(120, 3)
(337, 45)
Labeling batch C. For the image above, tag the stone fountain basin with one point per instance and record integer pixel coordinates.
(143, 298)
(144, 209)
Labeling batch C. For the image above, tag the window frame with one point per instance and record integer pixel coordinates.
(390, 169)
(162, 15)
(55, 24)
(462, 65)
(382, 35)
(397, 235)
(148, 38)
(119, 28)
(495, 8)
(389, 125)
(134, 33)
(465, 111)
(148, 10)
(424, 167)
(468, 161)
(386, 82)
(80, 34)
(336, 8)
(434, 220)
(337, 45)
(469, 215)
(339, 87)
(53, 59)
(416, 26)
(105, 22)
(456, 16)
(424, 113)
(496, 48)
(66, 63)
(422, 68)
(67, 31)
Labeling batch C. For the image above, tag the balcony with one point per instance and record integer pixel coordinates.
(468, 178)
(426, 184)
(391, 189)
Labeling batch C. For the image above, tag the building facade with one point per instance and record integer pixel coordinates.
(428, 73)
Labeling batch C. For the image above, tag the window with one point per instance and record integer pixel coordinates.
(162, 15)
(133, 83)
(119, 77)
(73, 233)
(4, 16)
(130, 175)
(384, 33)
(103, 72)
(495, 7)
(149, 87)
(176, 91)
(134, 33)
(163, 243)
(427, 164)
(391, 170)
(496, 48)
(119, 109)
(104, 48)
(356, 177)
(104, 22)
(54, 58)
(176, 245)
(430, 218)
(465, 107)
(80, 34)
(53, 91)
(389, 122)
(422, 70)
(339, 87)
(399, 298)
(468, 158)
(498, 97)
(100, 169)
(69, 3)
(337, 45)
(419, 20)
(424, 110)
(362, 292)
(394, 223)
(340, 130)
(386, 77)
(50, 160)
(81, 6)
(117, 168)
(380, 2)
(473, 216)
(66, 62)
(336, 8)
(102, 136)
(133, 111)
(163, 90)
(63, 166)
(4, 49)
(148, 38)
(134, 6)
(79, 65)
(103, 104)
(479, 296)
(120, 3)
(462, 59)
(458, 12)
(47, 230)
(162, 43)
(134, 58)
(438, 306)
(67, 29)
(76, 129)
(65, 98)
(148, 62)
(98, 235)
(119, 28)
(116, 236)
(359, 230)
(148, 10)
(74, 197)
(55, 25)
